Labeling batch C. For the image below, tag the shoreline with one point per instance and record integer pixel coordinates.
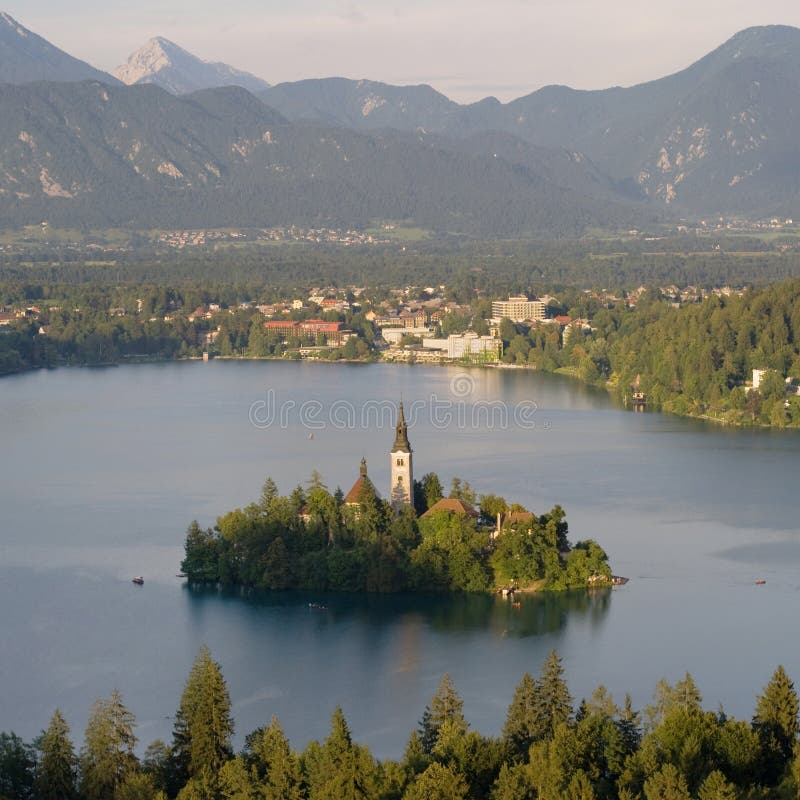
(608, 386)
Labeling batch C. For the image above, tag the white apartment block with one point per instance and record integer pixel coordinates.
(518, 309)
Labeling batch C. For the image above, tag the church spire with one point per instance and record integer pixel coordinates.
(401, 443)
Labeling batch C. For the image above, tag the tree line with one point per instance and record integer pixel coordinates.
(549, 749)
(696, 359)
(314, 539)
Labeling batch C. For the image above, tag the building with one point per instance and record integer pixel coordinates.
(758, 376)
(402, 473)
(353, 497)
(452, 505)
(394, 335)
(467, 345)
(470, 344)
(518, 309)
(334, 333)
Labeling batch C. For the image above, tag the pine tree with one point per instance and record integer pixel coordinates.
(775, 722)
(414, 760)
(277, 767)
(203, 724)
(438, 782)
(136, 786)
(339, 769)
(716, 787)
(107, 757)
(556, 701)
(666, 784)
(446, 704)
(629, 726)
(17, 764)
(524, 722)
(686, 695)
(57, 773)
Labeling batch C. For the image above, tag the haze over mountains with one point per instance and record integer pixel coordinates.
(716, 138)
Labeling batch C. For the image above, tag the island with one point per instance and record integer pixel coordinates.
(417, 540)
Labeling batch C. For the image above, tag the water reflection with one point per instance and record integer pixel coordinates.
(526, 615)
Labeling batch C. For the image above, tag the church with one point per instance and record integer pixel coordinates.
(401, 489)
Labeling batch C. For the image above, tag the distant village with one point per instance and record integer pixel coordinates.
(413, 324)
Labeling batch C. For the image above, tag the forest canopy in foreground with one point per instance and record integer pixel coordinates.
(549, 749)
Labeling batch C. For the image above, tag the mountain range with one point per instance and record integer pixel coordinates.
(715, 138)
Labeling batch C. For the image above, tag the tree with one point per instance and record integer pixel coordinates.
(716, 787)
(555, 697)
(201, 562)
(276, 765)
(524, 721)
(438, 782)
(107, 757)
(775, 722)
(666, 784)
(136, 786)
(432, 487)
(57, 773)
(203, 725)
(446, 705)
(339, 769)
(17, 763)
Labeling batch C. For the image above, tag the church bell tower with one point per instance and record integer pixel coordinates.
(402, 489)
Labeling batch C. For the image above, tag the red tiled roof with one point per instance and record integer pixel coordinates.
(353, 497)
(452, 505)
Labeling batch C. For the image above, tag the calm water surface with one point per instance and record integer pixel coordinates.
(102, 470)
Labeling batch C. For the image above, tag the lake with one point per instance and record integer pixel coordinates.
(103, 469)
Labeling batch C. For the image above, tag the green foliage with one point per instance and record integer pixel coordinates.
(107, 758)
(274, 763)
(203, 725)
(339, 769)
(446, 706)
(775, 721)
(545, 753)
(438, 782)
(312, 540)
(17, 768)
(56, 777)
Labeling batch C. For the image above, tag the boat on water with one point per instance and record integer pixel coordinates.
(317, 606)
(138, 580)
(760, 582)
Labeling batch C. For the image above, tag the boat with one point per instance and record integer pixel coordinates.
(138, 580)
(317, 606)
(618, 580)
(760, 582)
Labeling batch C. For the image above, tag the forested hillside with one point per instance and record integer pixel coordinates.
(695, 359)
(93, 155)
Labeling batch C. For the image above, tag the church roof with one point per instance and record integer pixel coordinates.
(353, 497)
(401, 443)
(452, 505)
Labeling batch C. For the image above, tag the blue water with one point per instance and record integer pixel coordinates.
(102, 470)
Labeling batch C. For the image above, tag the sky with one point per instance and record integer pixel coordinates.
(467, 49)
